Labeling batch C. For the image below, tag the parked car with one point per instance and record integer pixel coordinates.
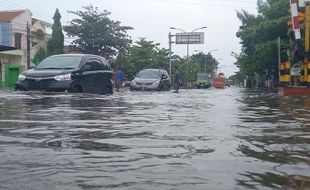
(151, 79)
(69, 72)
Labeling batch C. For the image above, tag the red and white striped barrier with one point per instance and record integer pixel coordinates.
(295, 20)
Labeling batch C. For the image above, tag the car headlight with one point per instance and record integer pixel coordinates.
(133, 83)
(21, 77)
(63, 77)
(156, 83)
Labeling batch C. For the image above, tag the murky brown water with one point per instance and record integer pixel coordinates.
(197, 139)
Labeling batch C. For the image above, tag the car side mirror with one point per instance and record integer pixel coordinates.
(164, 77)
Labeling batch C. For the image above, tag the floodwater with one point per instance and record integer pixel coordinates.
(198, 139)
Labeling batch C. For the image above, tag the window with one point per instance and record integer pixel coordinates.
(60, 62)
(18, 40)
(97, 64)
(106, 65)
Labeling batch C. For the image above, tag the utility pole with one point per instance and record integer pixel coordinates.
(28, 45)
(279, 56)
(170, 44)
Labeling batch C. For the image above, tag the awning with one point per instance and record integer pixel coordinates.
(6, 48)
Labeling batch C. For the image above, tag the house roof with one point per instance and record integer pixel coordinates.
(6, 16)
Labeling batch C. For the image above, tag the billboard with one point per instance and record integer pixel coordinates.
(189, 38)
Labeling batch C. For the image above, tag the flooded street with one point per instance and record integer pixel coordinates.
(197, 139)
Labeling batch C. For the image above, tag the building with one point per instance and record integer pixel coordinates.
(13, 34)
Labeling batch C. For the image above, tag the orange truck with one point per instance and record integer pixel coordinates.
(218, 81)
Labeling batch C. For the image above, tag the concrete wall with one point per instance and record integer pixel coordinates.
(19, 25)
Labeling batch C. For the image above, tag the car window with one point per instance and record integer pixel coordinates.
(149, 73)
(106, 65)
(97, 64)
(61, 62)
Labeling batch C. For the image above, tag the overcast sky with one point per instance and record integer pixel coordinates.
(153, 18)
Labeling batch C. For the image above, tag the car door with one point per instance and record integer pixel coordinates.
(107, 71)
(100, 80)
(88, 81)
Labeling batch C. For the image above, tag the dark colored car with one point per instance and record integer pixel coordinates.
(69, 72)
(151, 79)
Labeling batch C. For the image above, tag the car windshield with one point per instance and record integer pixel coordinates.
(202, 77)
(149, 74)
(64, 62)
(219, 79)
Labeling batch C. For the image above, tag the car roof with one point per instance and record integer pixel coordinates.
(154, 69)
(76, 55)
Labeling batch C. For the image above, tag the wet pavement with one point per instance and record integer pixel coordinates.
(197, 139)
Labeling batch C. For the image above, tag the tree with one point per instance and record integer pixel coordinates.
(96, 33)
(258, 34)
(144, 54)
(55, 45)
(39, 56)
(207, 63)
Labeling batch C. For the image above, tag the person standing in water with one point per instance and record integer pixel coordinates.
(176, 79)
(119, 77)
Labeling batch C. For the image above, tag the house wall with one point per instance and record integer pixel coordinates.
(19, 25)
(5, 33)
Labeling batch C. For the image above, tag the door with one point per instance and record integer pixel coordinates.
(1, 74)
(103, 76)
(11, 75)
(100, 80)
(88, 76)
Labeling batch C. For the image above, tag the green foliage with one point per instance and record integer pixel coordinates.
(206, 63)
(258, 34)
(39, 56)
(96, 33)
(188, 69)
(144, 54)
(147, 54)
(56, 44)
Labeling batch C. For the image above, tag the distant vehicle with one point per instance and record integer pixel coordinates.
(218, 81)
(69, 72)
(227, 83)
(203, 80)
(151, 79)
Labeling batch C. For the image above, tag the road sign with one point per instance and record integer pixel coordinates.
(295, 20)
(296, 70)
(190, 38)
